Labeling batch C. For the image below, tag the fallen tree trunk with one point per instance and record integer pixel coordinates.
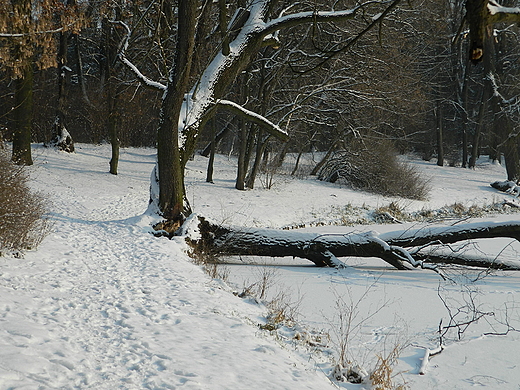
(402, 249)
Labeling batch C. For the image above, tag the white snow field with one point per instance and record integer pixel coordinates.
(102, 304)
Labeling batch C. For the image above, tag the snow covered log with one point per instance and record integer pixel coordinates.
(403, 249)
(509, 187)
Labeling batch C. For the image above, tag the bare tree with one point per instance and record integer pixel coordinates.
(186, 109)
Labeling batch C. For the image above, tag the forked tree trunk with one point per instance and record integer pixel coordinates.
(261, 144)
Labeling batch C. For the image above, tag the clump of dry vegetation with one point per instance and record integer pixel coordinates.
(374, 166)
(382, 376)
(22, 212)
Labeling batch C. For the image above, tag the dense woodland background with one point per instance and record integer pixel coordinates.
(333, 87)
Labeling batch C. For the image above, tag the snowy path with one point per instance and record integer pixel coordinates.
(103, 305)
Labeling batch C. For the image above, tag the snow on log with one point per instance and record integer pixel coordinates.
(451, 234)
(509, 187)
(401, 249)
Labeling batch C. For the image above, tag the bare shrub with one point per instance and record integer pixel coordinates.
(22, 212)
(281, 309)
(267, 277)
(346, 326)
(208, 260)
(374, 166)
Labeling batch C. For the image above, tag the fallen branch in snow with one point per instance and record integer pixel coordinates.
(511, 203)
(428, 354)
(401, 249)
(508, 187)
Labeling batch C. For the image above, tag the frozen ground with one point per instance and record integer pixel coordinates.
(101, 304)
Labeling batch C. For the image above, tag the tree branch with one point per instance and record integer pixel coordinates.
(498, 13)
(260, 120)
(330, 16)
(141, 77)
(287, 21)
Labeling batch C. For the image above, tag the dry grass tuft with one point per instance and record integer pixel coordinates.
(382, 376)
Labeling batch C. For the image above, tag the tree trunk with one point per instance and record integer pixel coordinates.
(240, 183)
(173, 203)
(465, 116)
(261, 144)
(297, 163)
(218, 137)
(477, 15)
(440, 143)
(111, 40)
(478, 130)
(22, 117)
(280, 156)
(79, 68)
(487, 92)
(396, 248)
(325, 158)
(63, 71)
(512, 158)
(113, 125)
(213, 148)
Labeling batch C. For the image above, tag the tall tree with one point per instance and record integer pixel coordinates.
(185, 109)
(27, 37)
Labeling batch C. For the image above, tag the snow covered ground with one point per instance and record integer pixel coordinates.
(102, 304)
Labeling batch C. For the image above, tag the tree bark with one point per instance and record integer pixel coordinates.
(402, 249)
(261, 144)
(465, 115)
(440, 130)
(240, 183)
(477, 16)
(512, 157)
(173, 204)
(22, 117)
(218, 137)
(213, 149)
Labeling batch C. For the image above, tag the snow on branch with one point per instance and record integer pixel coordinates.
(269, 126)
(124, 46)
(21, 35)
(500, 13)
(452, 234)
(298, 18)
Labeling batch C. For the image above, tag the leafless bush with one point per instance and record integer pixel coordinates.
(22, 212)
(346, 326)
(374, 166)
(208, 260)
(281, 309)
